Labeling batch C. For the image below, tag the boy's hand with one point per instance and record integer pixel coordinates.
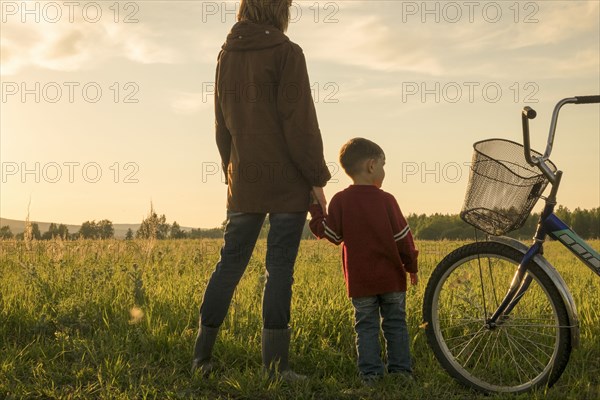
(414, 279)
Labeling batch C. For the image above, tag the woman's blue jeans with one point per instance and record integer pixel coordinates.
(389, 310)
(241, 233)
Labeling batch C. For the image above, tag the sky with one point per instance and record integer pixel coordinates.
(107, 106)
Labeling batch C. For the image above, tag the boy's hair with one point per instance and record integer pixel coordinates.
(267, 12)
(357, 150)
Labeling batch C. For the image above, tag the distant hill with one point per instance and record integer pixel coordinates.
(17, 226)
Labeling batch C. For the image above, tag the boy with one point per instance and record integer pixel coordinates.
(377, 252)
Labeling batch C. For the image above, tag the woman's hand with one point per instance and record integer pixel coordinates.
(319, 195)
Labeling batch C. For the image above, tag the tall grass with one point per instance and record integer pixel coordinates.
(117, 319)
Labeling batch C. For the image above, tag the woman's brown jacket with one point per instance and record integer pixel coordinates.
(266, 125)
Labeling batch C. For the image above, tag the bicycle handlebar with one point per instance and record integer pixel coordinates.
(529, 113)
(587, 99)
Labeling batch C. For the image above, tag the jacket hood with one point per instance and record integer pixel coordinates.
(247, 35)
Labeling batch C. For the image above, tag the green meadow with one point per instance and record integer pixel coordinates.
(115, 319)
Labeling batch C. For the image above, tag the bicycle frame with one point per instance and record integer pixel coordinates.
(549, 225)
(561, 232)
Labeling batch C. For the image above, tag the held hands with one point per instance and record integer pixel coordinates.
(414, 279)
(318, 197)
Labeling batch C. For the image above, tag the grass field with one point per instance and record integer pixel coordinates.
(117, 319)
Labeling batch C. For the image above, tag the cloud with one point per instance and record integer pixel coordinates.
(66, 46)
(366, 41)
(369, 40)
(547, 25)
(586, 60)
(376, 39)
(557, 24)
(54, 49)
(77, 46)
(10, 64)
(142, 44)
(166, 33)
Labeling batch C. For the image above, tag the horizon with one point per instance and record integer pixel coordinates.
(122, 100)
(183, 227)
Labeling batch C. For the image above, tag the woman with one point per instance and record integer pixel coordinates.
(271, 149)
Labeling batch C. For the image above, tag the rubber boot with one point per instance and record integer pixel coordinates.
(275, 354)
(203, 349)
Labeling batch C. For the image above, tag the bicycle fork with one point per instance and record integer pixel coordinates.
(522, 280)
(518, 286)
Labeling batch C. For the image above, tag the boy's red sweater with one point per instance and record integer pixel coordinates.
(377, 245)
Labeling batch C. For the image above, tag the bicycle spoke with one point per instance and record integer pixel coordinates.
(534, 332)
(504, 360)
(535, 345)
(468, 342)
(469, 337)
(517, 345)
(485, 314)
(481, 338)
(481, 354)
(531, 320)
(493, 285)
(461, 325)
(462, 338)
(516, 364)
(491, 354)
(452, 318)
(536, 326)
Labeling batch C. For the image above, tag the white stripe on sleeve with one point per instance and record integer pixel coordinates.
(329, 232)
(402, 234)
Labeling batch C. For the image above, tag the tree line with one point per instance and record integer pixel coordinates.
(151, 227)
(424, 227)
(442, 226)
(89, 230)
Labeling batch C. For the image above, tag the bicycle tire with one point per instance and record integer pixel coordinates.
(529, 349)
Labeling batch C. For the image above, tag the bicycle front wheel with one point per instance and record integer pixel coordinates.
(528, 348)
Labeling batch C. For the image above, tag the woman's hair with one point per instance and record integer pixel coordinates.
(357, 150)
(268, 12)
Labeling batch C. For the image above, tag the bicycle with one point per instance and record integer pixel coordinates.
(524, 339)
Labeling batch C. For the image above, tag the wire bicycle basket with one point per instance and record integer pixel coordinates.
(503, 188)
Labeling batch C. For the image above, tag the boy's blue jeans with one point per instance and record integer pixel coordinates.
(390, 310)
(241, 233)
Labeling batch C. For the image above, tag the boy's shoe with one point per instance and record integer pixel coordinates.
(370, 380)
(290, 376)
(404, 376)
